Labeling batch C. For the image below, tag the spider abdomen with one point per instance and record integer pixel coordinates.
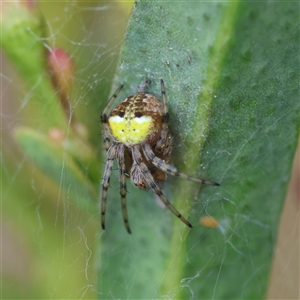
(137, 119)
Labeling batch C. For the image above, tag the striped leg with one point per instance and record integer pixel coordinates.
(170, 169)
(104, 118)
(123, 190)
(154, 186)
(165, 118)
(111, 155)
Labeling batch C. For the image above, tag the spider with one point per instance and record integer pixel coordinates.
(136, 134)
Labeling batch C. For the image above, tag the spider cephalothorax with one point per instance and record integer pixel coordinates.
(136, 134)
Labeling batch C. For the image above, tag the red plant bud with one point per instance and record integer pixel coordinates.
(30, 4)
(56, 134)
(61, 69)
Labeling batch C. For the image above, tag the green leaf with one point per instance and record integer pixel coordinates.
(54, 160)
(22, 41)
(232, 80)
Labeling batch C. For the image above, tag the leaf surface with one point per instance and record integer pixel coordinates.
(232, 80)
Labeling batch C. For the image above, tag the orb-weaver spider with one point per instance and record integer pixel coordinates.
(141, 143)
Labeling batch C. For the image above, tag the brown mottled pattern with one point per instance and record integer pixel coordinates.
(142, 105)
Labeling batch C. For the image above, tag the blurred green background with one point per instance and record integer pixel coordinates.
(49, 245)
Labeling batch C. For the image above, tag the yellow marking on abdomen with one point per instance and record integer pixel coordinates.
(130, 131)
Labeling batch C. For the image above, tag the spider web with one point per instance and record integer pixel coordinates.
(50, 248)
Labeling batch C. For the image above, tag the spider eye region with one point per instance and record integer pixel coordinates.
(131, 130)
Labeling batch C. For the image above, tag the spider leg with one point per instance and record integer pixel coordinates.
(111, 155)
(104, 118)
(154, 186)
(123, 190)
(165, 118)
(167, 168)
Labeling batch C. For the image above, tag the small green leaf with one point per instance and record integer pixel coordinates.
(22, 40)
(54, 160)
